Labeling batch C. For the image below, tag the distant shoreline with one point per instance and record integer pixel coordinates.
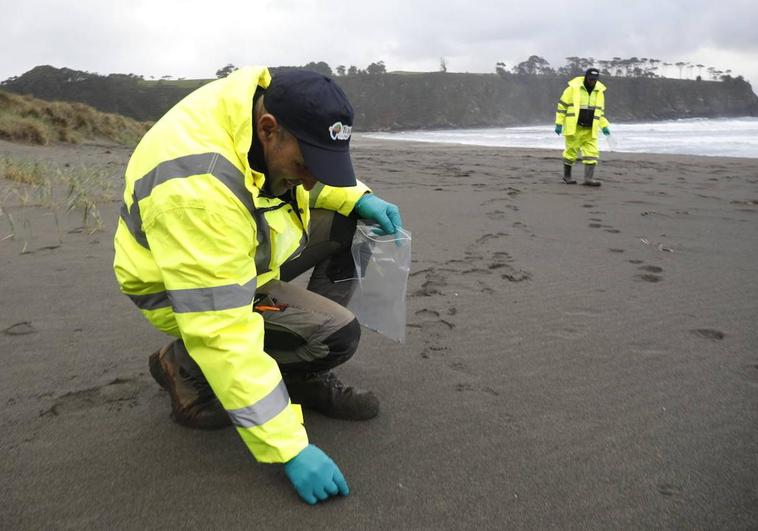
(710, 137)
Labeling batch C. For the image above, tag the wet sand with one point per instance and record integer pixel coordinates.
(576, 358)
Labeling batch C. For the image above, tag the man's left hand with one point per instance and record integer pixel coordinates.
(376, 209)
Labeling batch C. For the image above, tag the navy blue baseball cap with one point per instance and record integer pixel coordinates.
(592, 73)
(317, 112)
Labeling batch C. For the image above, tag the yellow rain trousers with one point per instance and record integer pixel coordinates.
(584, 139)
(196, 237)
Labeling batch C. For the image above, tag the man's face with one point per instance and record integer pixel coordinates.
(286, 166)
(590, 81)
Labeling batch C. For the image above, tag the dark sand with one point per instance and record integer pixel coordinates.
(563, 369)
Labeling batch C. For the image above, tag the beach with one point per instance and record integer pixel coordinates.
(576, 358)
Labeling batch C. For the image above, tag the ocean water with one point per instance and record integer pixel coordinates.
(722, 137)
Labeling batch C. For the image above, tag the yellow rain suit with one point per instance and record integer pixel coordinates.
(574, 98)
(196, 237)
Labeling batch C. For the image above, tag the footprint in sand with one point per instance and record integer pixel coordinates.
(433, 284)
(669, 489)
(566, 333)
(648, 277)
(651, 269)
(612, 231)
(433, 329)
(709, 333)
(595, 225)
(613, 250)
(20, 329)
(636, 261)
(459, 366)
(516, 275)
(121, 392)
(429, 351)
(463, 387)
(490, 236)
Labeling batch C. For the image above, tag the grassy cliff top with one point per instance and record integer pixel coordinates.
(29, 120)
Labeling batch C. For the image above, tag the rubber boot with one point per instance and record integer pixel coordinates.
(193, 403)
(567, 175)
(325, 393)
(589, 171)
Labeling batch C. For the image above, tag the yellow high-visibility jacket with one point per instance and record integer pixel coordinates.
(196, 237)
(576, 97)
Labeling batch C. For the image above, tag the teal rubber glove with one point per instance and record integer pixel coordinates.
(315, 476)
(558, 129)
(385, 214)
(606, 131)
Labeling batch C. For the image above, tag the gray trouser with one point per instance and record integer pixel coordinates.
(314, 331)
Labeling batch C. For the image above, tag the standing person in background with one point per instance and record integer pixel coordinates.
(580, 113)
(242, 186)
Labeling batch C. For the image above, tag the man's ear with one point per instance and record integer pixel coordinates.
(266, 127)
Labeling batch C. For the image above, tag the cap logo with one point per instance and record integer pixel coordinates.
(339, 132)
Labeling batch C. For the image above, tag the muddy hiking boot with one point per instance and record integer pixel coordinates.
(193, 403)
(567, 175)
(589, 171)
(325, 393)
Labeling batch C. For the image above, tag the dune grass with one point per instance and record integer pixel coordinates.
(61, 191)
(33, 121)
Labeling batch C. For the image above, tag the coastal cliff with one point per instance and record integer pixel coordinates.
(435, 100)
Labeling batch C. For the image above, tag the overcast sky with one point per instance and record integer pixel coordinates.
(192, 38)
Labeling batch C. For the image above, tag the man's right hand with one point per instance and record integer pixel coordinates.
(315, 476)
(558, 129)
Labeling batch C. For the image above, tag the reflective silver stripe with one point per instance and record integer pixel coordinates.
(561, 111)
(595, 117)
(133, 223)
(561, 102)
(570, 114)
(263, 410)
(590, 158)
(151, 301)
(183, 167)
(314, 193)
(263, 243)
(212, 299)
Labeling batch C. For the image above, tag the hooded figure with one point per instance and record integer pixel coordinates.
(579, 115)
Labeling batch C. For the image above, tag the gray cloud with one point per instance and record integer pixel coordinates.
(191, 38)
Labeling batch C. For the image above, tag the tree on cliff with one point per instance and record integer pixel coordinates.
(535, 65)
(321, 67)
(376, 68)
(225, 70)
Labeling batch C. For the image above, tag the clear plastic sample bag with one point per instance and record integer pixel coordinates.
(382, 264)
